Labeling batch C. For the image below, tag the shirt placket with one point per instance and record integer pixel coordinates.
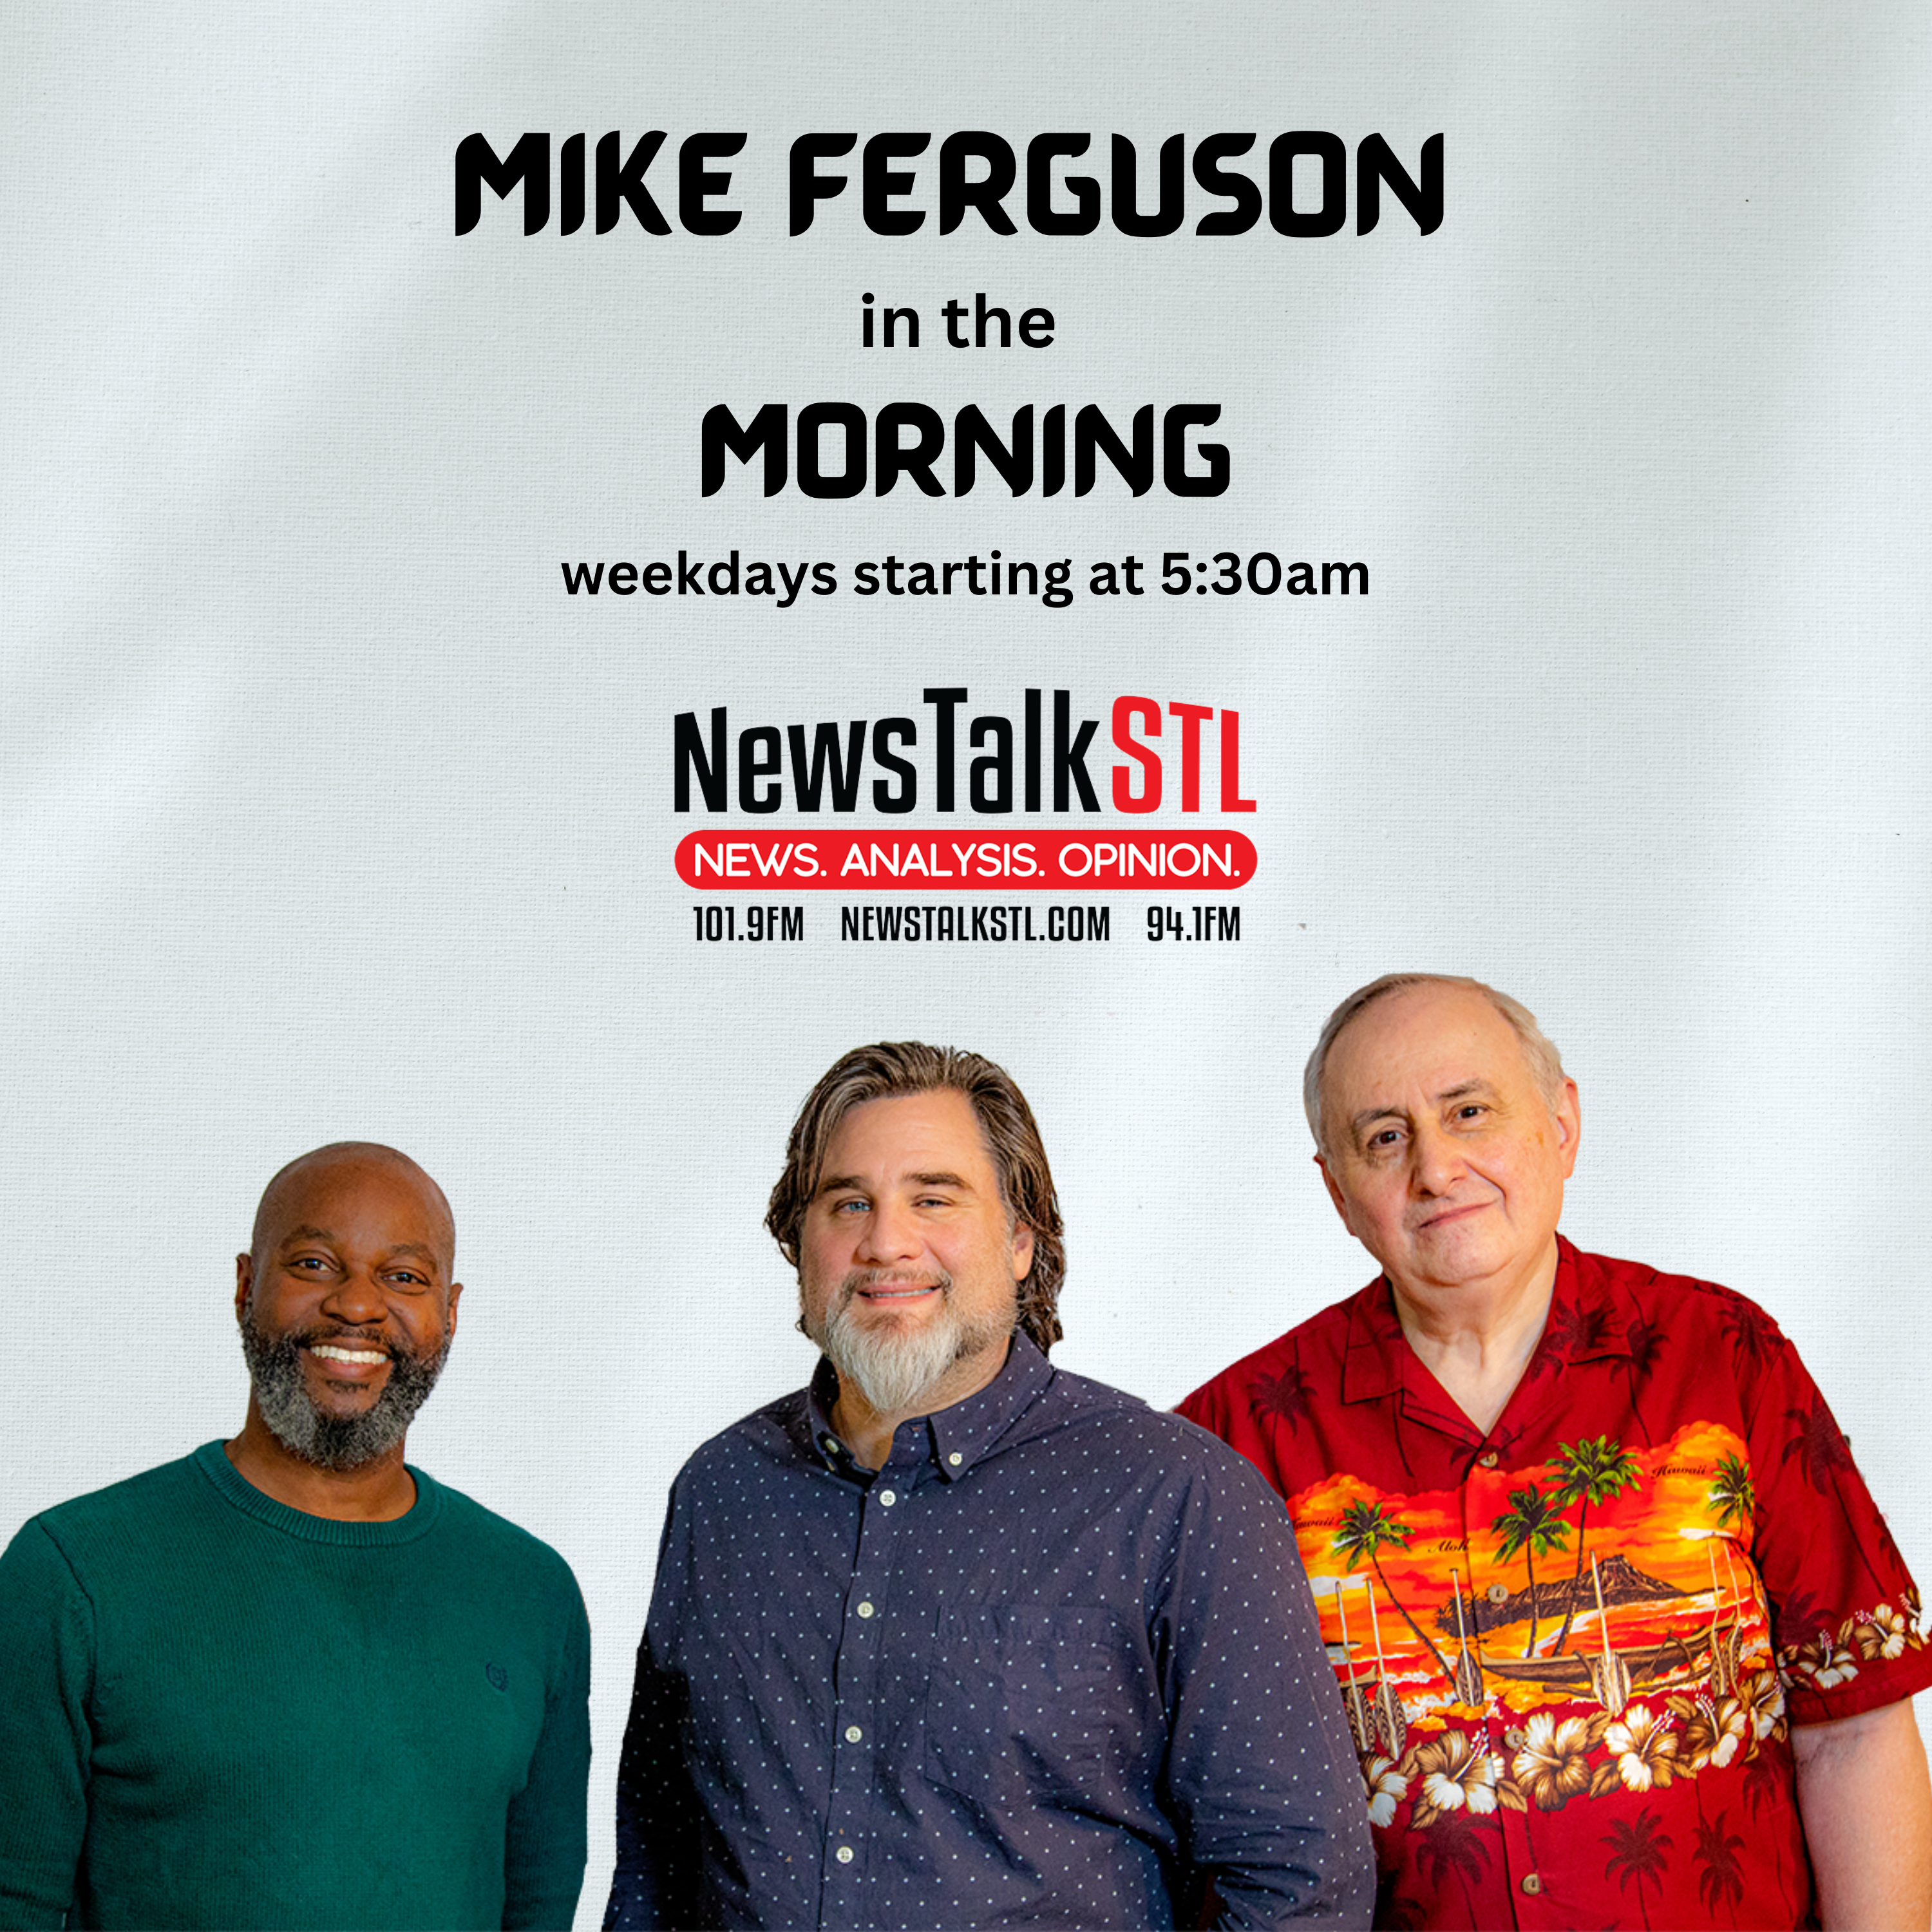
(1485, 1496)
(873, 1632)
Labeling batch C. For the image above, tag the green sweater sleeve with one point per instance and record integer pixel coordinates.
(544, 1846)
(46, 1668)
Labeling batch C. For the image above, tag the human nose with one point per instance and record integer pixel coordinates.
(357, 1301)
(1436, 1162)
(891, 1234)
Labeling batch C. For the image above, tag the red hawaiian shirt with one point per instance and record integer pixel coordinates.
(1571, 1650)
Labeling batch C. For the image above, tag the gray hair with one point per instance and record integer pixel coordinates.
(1546, 1064)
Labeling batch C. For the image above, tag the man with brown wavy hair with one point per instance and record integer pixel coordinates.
(896, 1069)
(951, 1637)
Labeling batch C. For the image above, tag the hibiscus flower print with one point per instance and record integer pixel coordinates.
(1826, 1662)
(1457, 1774)
(1388, 1786)
(1762, 1698)
(1644, 1747)
(1885, 1634)
(1713, 1734)
(1553, 1766)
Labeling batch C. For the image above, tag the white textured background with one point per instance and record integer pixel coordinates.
(323, 813)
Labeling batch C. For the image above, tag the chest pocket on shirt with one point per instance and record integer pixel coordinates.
(1041, 1696)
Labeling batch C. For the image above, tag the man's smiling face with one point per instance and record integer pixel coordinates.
(908, 1260)
(347, 1304)
(1444, 1157)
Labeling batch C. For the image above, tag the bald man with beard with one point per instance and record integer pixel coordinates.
(289, 1680)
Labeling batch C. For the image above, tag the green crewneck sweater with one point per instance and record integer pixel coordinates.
(217, 1710)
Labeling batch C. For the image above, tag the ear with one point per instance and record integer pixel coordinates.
(1335, 1193)
(449, 1309)
(245, 1284)
(1022, 1251)
(1568, 1116)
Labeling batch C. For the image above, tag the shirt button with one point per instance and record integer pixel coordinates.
(1531, 1883)
(1489, 1459)
(864, 1609)
(1516, 1737)
(887, 1499)
(843, 1855)
(831, 1445)
(853, 1734)
(1498, 1593)
(955, 1459)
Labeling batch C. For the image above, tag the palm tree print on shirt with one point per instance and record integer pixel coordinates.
(1721, 1881)
(1637, 1850)
(1533, 1524)
(1365, 1528)
(1733, 1496)
(1591, 1470)
(1284, 1397)
(1644, 1340)
(1818, 1445)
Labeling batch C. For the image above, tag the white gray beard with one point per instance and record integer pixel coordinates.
(333, 1441)
(892, 1369)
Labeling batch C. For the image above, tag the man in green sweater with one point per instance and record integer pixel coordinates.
(290, 1681)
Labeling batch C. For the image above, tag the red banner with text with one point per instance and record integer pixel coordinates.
(815, 861)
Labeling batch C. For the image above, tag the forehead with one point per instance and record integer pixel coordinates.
(1427, 1036)
(911, 1133)
(372, 1203)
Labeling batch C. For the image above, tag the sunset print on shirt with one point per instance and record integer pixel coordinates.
(1609, 1608)
(1608, 1567)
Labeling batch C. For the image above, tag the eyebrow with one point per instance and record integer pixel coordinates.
(296, 1236)
(837, 1183)
(1460, 1091)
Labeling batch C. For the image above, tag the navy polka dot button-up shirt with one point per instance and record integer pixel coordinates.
(1055, 1664)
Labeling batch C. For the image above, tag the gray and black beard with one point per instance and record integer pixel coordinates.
(334, 1442)
(892, 1370)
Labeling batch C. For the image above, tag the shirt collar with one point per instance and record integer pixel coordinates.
(956, 1437)
(1588, 1320)
(1371, 1365)
(820, 1393)
(1591, 1315)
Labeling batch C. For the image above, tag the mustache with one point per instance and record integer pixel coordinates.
(861, 1279)
(334, 1336)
